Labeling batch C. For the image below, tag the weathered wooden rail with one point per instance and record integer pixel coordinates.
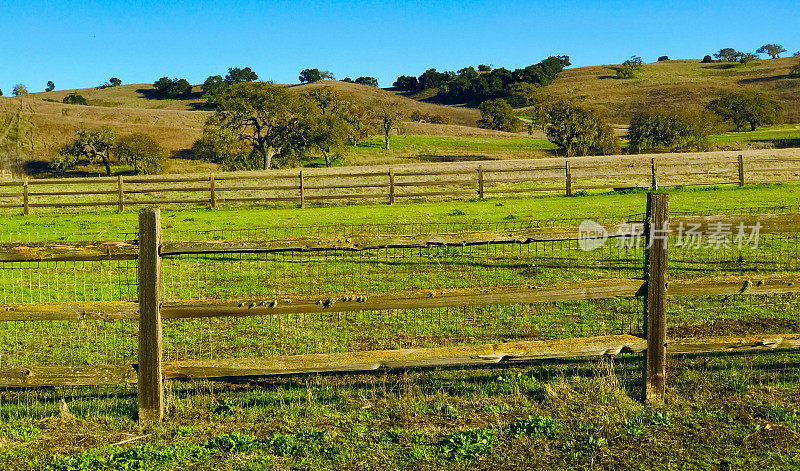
(151, 371)
(498, 178)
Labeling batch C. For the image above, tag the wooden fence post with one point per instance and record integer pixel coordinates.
(655, 305)
(653, 171)
(391, 186)
(212, 186)
(120, 194)
(480, 181)
(151, 386)
(302, 191)
(25, 205)
(568, 172)
(741, 170)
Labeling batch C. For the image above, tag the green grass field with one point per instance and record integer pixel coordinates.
(591, 205)
(737, 410)
(443, 149)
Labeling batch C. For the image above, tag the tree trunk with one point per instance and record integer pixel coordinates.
(752, 126)
(386, 137)
(108, 166)
(327, 155)
(268, 153)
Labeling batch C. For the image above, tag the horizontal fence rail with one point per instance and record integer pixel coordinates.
(488, 179)
(573, 291)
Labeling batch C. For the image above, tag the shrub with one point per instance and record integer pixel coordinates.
(469, 444)
(422, 117)
(498, 115)
(795, 72)
(663, 58)
(141, 152)
(533, 426)
(671, 131)
(223, 146)
(707, 59)
(629, 68)
(579, 131)
(748, 59)
(74, 99)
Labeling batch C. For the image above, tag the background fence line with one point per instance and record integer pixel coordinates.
(392, 185)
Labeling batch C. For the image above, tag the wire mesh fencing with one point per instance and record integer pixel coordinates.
(402, 271)
(766, 318)
(36, 344)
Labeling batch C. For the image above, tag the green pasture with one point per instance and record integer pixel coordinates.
(554, 415)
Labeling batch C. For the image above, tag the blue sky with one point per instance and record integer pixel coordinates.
(80, 44)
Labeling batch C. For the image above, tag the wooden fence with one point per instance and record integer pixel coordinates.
(393, 185)
(150, 372)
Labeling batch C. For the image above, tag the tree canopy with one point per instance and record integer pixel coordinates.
(310, 76)
(237, 75)
(747, 107)
(270, 119)
(728, 54)
(369, 81)
(671, 131)
(50, 86)
(579, 131)
(115, 82)
(497, 114)
(94, 145)
(20, 89)
(174, 88)
(469, 85)
(772, 50)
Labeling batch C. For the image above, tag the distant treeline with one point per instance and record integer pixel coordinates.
(472, 86)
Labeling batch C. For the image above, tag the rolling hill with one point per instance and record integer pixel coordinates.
(39, 123)
(676, 84)
(175, 124)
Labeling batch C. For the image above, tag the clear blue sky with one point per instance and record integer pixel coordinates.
(80, 44)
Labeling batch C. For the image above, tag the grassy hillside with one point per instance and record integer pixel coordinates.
(175, 123)
(38, 124)
(676, 84)
(46, 126)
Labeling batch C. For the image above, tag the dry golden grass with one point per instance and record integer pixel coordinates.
(53, 124)
(676, 84)
(459, 115)
(176, 124)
